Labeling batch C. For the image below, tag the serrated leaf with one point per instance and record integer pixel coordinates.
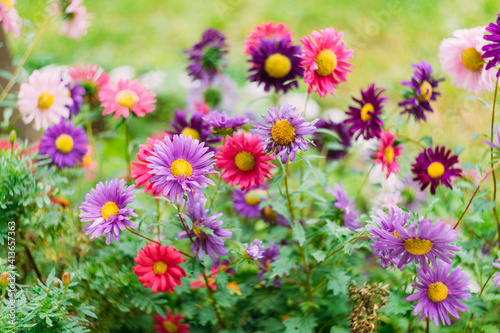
(298, 233)
(427, 140)
(300, 324)
(476, 305)
(337, 282)
(284, 263)
(319, 256)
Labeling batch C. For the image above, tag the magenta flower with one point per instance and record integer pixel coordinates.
(387, 153)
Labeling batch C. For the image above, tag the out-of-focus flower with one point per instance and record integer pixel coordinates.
(335, 147)
(11, 22)
(247, 203)
(413, 197)
(255, 250)
(77, 93)
(270, 255)
(89, 164)
(127, 96)
(219, 94)
(202, 283)
(196, 127)
(387, 153)
(91, 77)
(266, 31)
(349, 216)
(75, 17)
(170, 324)
(140, 171)
(224, 125)
(233, 288)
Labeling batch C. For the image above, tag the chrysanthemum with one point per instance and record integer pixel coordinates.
(266, 31)
(325, 61)
(127, 96)
(349, 216)
(209, 243)
(77, 93)
(75, 17)
(247, 203)
(43, 99)
(496, 279)
(159, 267)
(434, 167)
(64, 144)
(180, 165)
(462, 59)
(219, 94)
(439, 292)
(270, 255)
(255, 250)
(106, 208)
(11, 22)
(284, 131)
(207, 56)
(492, 50)
(222, 124)
(364, 119)
(196, 127)
(335, 147)
(170, 324)
(276, 63)
(387, 153)
(140, 170)
(273, 217)
(91, 77)
(422, 90)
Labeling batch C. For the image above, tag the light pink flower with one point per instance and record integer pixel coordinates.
(267, 30)
(89, 164)
(127, 96)
(10, 18)
(91, 77)
(76, 18)
(387, 154)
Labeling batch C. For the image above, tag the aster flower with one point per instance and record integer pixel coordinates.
(439, 292)
(158, 267)
(496, 279)
(276, 63)
(196, 127)
(127, 96)
(106, 208)
(387, 153)
(219, 94)
(170, 324)
(180, 165)
(422, 90)
(244, 161)
(433, 167)
(247, 203)
(266, 31)
(270, 255)
(492, 50)
(336, 148)
(255, 250)
(77, 93)
(64, 144)
(212, 242)
(43, 99)
(11, 22)
(324, 60)
(75, 16)
(273, 217)
(91, 77)
(462, 59)
(206, 57)
(140, 171)
(222, 124)
(342, 203)
(284, 131)
(365, 118)
(413, 197)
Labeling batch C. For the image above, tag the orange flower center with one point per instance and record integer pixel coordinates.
(253, 197)
(437, 292)
(283, 133)
(389, 154)
(269, 214)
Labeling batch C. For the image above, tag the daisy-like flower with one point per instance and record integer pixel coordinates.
(64, 144)
(219, 94)
(77, 93)
(247, 203)
(270, 255)
(365, 118)
(127, 96)
(492, 50)
(349, 216)
(336, 147)
(170, 324)
(207, 56)
(276, 64)
(266, 31)
(91, 77)
(462, 59)
(75, 16)
(423, 87)
(496, 279)
(159, 267)
(244, 161)
(106, 208)
(222, 124)
(273, 217)
(284, 131)
(196, 127)
(180, 165)
(140, 170)
(43, 99)
(387, 153)
(210, 243)
(11, 22)
(255, 250)
(433, 167)
(439, 292)
(324, 60)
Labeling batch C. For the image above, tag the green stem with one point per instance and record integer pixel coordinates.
(338, 250)
(287, 192)
(491, 155)
(127, 152)
(220, 178)
(307, 100)
(64, 295)
(363, 183)
(183, 224)
(427, 326)
(153, 241)
(214, 304)
(159, 217)
(4, 290)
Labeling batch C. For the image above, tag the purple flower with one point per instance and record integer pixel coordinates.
(270, 255)
(77, 93)
(64, 144)
(423, 90)
(493, 50)
(439, 292)
(220, 94)
(179, 165)
(222, 124)
(247, 203)
(349, 215)
(205, 240)
(496, 142)
(105, 207)
(206, 56)
(496, 279)
(365, 118)
(276, 63)
(274, 218)
(336, 148)
(285, 131)
(255, 250)
(196, 127)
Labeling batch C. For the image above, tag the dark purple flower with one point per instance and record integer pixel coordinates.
(492, 50)
(336, 148)
(195, 127)
(349, 215)
(77, 93)
(255, 250)
(274, 218)
(222, 266)
(247, 203)
(422, 90)
(270, 255)
(222, 124)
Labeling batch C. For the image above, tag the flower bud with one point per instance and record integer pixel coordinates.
(4, 279)
(12, 136)
(66, 279)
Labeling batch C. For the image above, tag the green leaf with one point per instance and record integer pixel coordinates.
(208, 314)
(476, 305)
(337, 282)
(284, 263)
(459, 150)
(319, 256)
(338, 329)
(298, 232)
(300, 324)
(427, 140)
(396, 305)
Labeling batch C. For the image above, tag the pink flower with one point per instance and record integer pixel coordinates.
(89, 164)
(10, 18)
(267, 30)
(91, 77)
(76, 18)
(201, 283)
(461, 58)
(170, 324)
(325, 61)
(140, 171)
(387, 153)
(128, 96)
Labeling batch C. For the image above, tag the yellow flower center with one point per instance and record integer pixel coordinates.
(253, 197)
(438, 292)
(269, 214)
(187, 131)
(435, 170)
(7, 3)
(425, 91)
(170, 327)
(368, 107)
(160, 267)
(277, 65)
(389, 154)
(109, 209)
(396, 234)
(45, 100)
(472, 60)
(283, 133)
(64, 143)
(327, 62)
(244, 161)
(181, 167)
(417, 246)
(197, 231)
(127, 98)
